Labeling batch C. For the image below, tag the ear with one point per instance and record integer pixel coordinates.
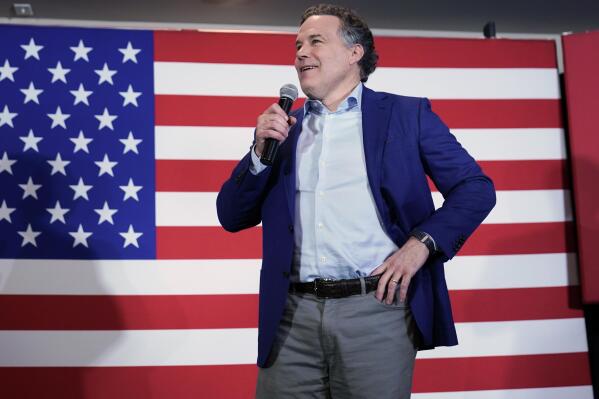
(356, 54)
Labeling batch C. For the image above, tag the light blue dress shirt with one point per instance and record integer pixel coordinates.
(338, 232)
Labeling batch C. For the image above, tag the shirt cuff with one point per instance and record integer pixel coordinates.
(256, 166)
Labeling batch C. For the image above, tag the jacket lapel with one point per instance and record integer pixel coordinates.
(289, 169)
(375, 124)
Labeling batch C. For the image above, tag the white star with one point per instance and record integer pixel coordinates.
(81, 95)
(32, 49)
(105, 214)
(6, 117)
(105, 74)
(106, 166)
(29, 236)
(81, 142)
(129, 53)
(106, 120)
(58, 165)
(81, 51)
(6, 164)
(130, 96)
(30, 189)
(57, 213)
(58, 118)
(130, 190)
(59, 73)
(80, 236)
(31, 94)
(6, 71)
(130, 143)
(30, 141)
(131, 237)
(5, 212)
(80, 189)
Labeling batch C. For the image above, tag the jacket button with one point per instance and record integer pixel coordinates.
(290, 227)
(287, 171)
(286, 274)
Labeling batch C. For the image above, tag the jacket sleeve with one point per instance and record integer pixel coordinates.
(239, 201)
(469, 194)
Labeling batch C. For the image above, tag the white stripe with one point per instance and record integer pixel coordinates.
(197, 277)
(232, 143)
(511, 271)
(438, 83)
(129, 277)
(209, 143)
(528, 337)
(128, 347)
(527, 206)
(238, 346)
(512, 144)
(578, 392)
(517, 206)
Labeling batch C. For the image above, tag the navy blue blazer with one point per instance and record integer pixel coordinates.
(404, 141)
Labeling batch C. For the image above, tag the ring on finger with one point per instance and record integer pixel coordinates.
(395, 281)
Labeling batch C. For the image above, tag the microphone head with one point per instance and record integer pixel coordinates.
(289, 90)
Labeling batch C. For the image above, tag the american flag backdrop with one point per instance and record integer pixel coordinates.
(116, 280)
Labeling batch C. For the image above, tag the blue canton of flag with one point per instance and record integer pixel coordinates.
(76, 143)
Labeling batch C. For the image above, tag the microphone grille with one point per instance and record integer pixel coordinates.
(289, 90)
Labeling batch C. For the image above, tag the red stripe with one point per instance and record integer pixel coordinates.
(212, 242)
(249, 48)
(209, 175)
(178, 110)
(174, 175)
(208, 243)
(238, 381)
(521, 238)
(501, 372)
(528, 175)
(154, 312)
(128, 312)
(516, 304)
(471, 114)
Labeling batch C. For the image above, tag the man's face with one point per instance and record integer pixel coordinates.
(323, 62)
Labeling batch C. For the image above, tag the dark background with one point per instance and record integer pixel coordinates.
(448, 18)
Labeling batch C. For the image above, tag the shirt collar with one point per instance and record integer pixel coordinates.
(352, 103)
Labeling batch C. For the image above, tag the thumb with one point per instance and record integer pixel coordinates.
(291, 121)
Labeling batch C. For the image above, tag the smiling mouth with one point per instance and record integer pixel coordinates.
(307, 68)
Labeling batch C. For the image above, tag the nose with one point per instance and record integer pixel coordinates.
(301, 53)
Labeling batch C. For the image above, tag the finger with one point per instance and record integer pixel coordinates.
(276, 109)
(382, 285)
(292, 121)
(394, 281)
(272, 134)
(403, 288)
(378, 270)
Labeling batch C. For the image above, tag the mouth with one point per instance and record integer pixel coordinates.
(307, 68)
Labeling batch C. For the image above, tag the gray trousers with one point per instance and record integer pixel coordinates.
(354, 347)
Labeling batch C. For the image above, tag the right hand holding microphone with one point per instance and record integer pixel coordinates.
(272, 123)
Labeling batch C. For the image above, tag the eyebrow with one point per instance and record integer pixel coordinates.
(310, 38)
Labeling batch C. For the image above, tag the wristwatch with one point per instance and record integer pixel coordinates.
(426, 239)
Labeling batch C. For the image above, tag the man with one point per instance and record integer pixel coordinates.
(352, 280)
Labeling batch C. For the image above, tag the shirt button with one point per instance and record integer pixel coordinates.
(321, 193)
(322, 163)
(323, 259)
(320, 225)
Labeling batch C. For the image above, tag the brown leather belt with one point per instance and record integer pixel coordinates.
(326, 288)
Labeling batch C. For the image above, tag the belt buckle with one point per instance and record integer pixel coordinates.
(317, 281)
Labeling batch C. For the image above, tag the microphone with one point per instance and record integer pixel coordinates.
(288, 94)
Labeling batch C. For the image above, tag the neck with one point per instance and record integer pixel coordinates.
(333, 100)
